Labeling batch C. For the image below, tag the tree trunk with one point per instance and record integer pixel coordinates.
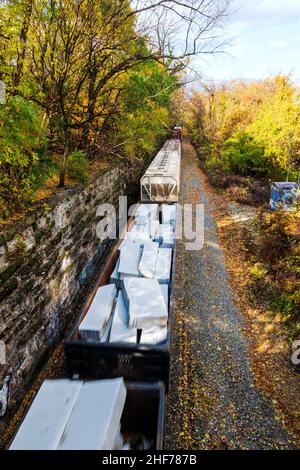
(85, 136)
(23, 41)
(63, 167)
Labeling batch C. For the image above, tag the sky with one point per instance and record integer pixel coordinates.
(264, 40)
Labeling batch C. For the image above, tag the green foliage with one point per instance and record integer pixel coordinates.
(148, 84)
(258, 271)
(276, 274)
(44, 168)
(283, 304)
(243, 156)
(274, 236)
(77, 166)
(146, 101)
(138, 131)
(22, 135)
(277, 125)
(100, 97)
(248, 129)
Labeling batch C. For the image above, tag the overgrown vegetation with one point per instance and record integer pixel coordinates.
(276, 273)
(247, 129)
(22, 138)
(77, 166)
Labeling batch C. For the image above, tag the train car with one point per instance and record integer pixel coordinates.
(93, 358)
(93, 415)
(161, 181)
(177, 133)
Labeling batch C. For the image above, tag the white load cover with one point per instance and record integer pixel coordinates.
(163, 265)
(137, 236)
(144, 232)
(120, 332)
(166, 235)
(95, 420)
(154, 335)
(145, 302)
(165, 293)
(130, 255)
(168, 212)
(48, 415)
(105, 335)
(122, 244)
(128, 240)
(157, 334)
(114, 277)
(119, 442)
(97, 316)
(145, 213)
(148, 260)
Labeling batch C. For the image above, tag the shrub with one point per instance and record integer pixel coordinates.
(276, 238)
(258, 271)
(22, 134)
(77, 166)
(241, 155)
(276, 275)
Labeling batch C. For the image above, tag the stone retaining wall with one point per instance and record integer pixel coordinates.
(47, 263)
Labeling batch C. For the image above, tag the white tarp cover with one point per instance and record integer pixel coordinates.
(105, 335)
(145, 302)
(137, 236)
(144, 232)
(120, 330)
(154, 335)
(97, 316)
(165, 293)
(122, 244)
(157, 334)
(145, 213)
(95, 419)
(166, 235)
(48, 415)
(148, 260)
(130, 255)
(168, 213)
(114, 277)
(163, 265)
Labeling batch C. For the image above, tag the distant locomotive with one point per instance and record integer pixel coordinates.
(161, 181)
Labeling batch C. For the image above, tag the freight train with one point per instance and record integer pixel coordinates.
(118, 353)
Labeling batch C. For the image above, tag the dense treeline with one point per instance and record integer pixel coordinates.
(85, 79)
(248, 128)
(73, 76)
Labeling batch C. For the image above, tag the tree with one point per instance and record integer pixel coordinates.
(248, 127)
(22, 134)
(79, 52)
(277, 125)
